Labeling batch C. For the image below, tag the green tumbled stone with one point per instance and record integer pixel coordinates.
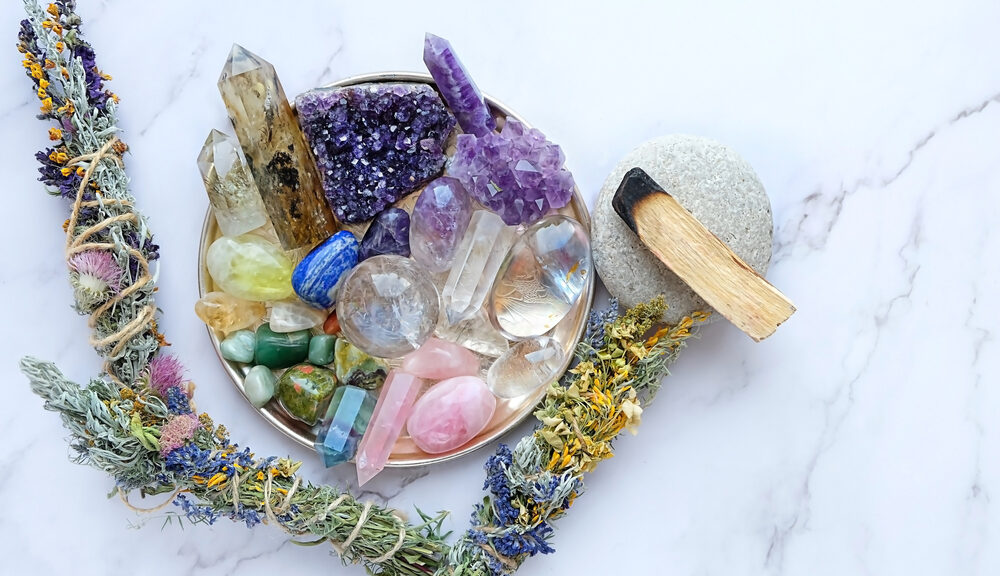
(357, 368)
(321, 349)
(304, 391)
(280, 349)
(258, 385)
(239, 346)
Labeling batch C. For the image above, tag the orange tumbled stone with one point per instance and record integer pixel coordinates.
(332, 325)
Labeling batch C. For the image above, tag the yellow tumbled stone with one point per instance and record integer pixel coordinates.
(228, 313)
(250, 267)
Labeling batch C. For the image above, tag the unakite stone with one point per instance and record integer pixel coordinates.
(278, 156)
(231, 191)
(250, 267)
(357, 368)
(304, 391)
(321, 350)
(344, 425)
(280, 349)
(239, 346)
(258, 385)
(225, 312)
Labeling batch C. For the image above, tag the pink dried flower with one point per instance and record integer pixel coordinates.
(95, 276)
(178, 430)
(165, 371)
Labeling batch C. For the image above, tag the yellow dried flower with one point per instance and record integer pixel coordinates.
(56, 134)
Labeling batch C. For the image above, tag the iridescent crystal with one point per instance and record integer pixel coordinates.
(277, 152)
(395, 402)
(440, 218)
(476, 263)
(527, 366)
(388, 306)
(344, 425)
(226, 312)
(231, 192)
(544, 273)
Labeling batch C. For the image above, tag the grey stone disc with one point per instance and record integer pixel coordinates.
(712, 182)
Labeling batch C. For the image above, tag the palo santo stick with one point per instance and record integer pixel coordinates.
(699, 258)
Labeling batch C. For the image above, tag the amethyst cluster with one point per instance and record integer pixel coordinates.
(374, 143)
(517, 173)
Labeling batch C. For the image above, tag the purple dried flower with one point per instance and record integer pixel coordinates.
(95, 277)
(178, 430)
(165, 371)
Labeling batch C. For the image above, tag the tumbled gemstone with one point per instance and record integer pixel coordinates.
(356, 368)
(387, 306)
(457, 87)
(288, 316)
(231, 191)
(321, 348)
(226, 312)
(477, 261)
(476, 333)
(517, 173)
(374, 143)
(440, 218)
(305, 390)
(544, 273)
(389, 233)
(280, 350)
(526, 366)
(258, 385)
(440, 360)
(238, 346)
(451, 413)
(317, 277)
(395, 402)
(250, 267)
(345, 423)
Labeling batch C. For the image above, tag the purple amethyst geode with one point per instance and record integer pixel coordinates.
(517, 173)
(374, 143)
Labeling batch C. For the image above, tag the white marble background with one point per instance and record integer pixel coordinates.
(861, 439)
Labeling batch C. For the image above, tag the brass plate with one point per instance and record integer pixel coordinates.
(509, 412)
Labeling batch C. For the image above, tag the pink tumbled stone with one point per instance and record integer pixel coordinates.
(395, 403)
(439, 359)
(450, 414)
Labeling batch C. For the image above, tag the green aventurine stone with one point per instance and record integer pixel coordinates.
(280, 350)
(357, 368)
(321, 349)
(304, 391)
(239, 346)
(258, 385)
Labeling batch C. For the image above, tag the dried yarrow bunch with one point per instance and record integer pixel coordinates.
(138, 423)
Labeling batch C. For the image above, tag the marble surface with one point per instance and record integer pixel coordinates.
(861, 439)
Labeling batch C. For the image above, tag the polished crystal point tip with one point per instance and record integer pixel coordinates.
(241, 60)
(231, 191)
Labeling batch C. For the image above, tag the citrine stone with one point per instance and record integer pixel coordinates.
(226, 312)
(280, 350)
(344, 425)
(231, 191)
(250, 267)
(304, 391)
(276, 149)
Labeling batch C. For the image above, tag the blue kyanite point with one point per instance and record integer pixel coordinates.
(345, 423)
(389, 233)
(374, 143)
(317, 277)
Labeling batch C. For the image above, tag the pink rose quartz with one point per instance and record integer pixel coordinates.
(395, 403)
(450, 414)
(439, 359)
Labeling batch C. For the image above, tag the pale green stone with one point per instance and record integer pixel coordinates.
(321, 349)
(239, 346)
(258, 385)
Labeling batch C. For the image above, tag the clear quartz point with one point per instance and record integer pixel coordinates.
(477, 261)
(526, 366)
(231, 191)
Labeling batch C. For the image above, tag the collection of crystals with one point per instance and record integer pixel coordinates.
(477, 274)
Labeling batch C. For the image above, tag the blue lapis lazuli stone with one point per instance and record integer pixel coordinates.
(345, 423)
(317, 277)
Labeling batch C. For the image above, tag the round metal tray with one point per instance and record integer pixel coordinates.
(509, 412)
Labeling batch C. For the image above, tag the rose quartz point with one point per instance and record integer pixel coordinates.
(450, 414)
(394, 405)
(439, 359)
